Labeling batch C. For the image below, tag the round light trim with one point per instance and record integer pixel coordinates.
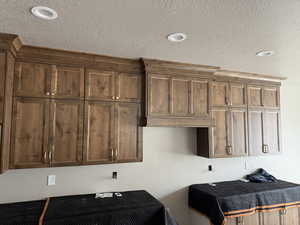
(44, 13)
(177, 37)
(265, 53)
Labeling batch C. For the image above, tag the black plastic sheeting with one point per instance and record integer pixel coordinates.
(133, 208)
(21, 213)
(237, 198)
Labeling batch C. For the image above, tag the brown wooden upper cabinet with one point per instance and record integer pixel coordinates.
(98, 132)
(263, 96)
(264, 131)
(67, 82)
(30, 127)
(178, 96)
(229, 94)
(229, 135)
(112, 132)
(32, 80)
(112, 86)
(42, 80)
(65, 133)
(46, 133)
(128, 133)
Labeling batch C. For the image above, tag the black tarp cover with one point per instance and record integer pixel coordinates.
(237, 198)
(133, 208)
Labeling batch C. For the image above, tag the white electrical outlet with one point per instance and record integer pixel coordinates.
(51, 180)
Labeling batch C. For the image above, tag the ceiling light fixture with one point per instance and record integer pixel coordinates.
(44, 13)
(177, 37)
(265, 53)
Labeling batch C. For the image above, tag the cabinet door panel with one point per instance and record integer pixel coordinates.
(2, 85)
(244, 220)
(220, 93)
(271, 218)
(66, 132)
(255, 132)
(251, 219)
(127, 132)
(231, 221)
(100, 85)
(159, 96)
(180, 97)
(271, 129)
(270, 97)
(237, 95)
(220, 132)
(98, 136)
(238, 131)
(199, 93)
(254, 96)
(32, 80)
(128, 87)
(292, 217)
(30, 133)
(67, 82)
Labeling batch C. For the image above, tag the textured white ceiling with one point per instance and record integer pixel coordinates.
(224, 33)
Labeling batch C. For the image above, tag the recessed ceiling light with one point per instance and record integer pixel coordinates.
(265, 53)
(176, 37)
(44, 12)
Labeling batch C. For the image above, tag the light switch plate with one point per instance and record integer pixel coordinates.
(51, 180)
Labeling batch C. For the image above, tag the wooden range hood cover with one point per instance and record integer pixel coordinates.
(177, 94)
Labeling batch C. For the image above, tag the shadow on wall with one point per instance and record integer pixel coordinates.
(177, 202)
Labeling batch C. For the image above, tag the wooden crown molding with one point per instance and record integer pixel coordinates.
(244, 75)
(159, 66)
(153, 65)
(63, 57)
(10, 42)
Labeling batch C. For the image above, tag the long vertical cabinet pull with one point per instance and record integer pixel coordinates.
(228, 131)
(1, 127)
(116, 154)
(50, 156)
(54, 81)
(112, 154)
(45, 157)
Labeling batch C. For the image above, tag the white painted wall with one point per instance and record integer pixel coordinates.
(170, 166)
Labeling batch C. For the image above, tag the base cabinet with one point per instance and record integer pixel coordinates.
(279, 217)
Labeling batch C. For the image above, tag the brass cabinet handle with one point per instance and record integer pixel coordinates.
(45, 156)
(240, 220)
(229, 150)
(50, 156)
(112, 154)
(52, 93)
(117, 97)
(226, 101)
(283, 211)
(116, 154)
(47, 93)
